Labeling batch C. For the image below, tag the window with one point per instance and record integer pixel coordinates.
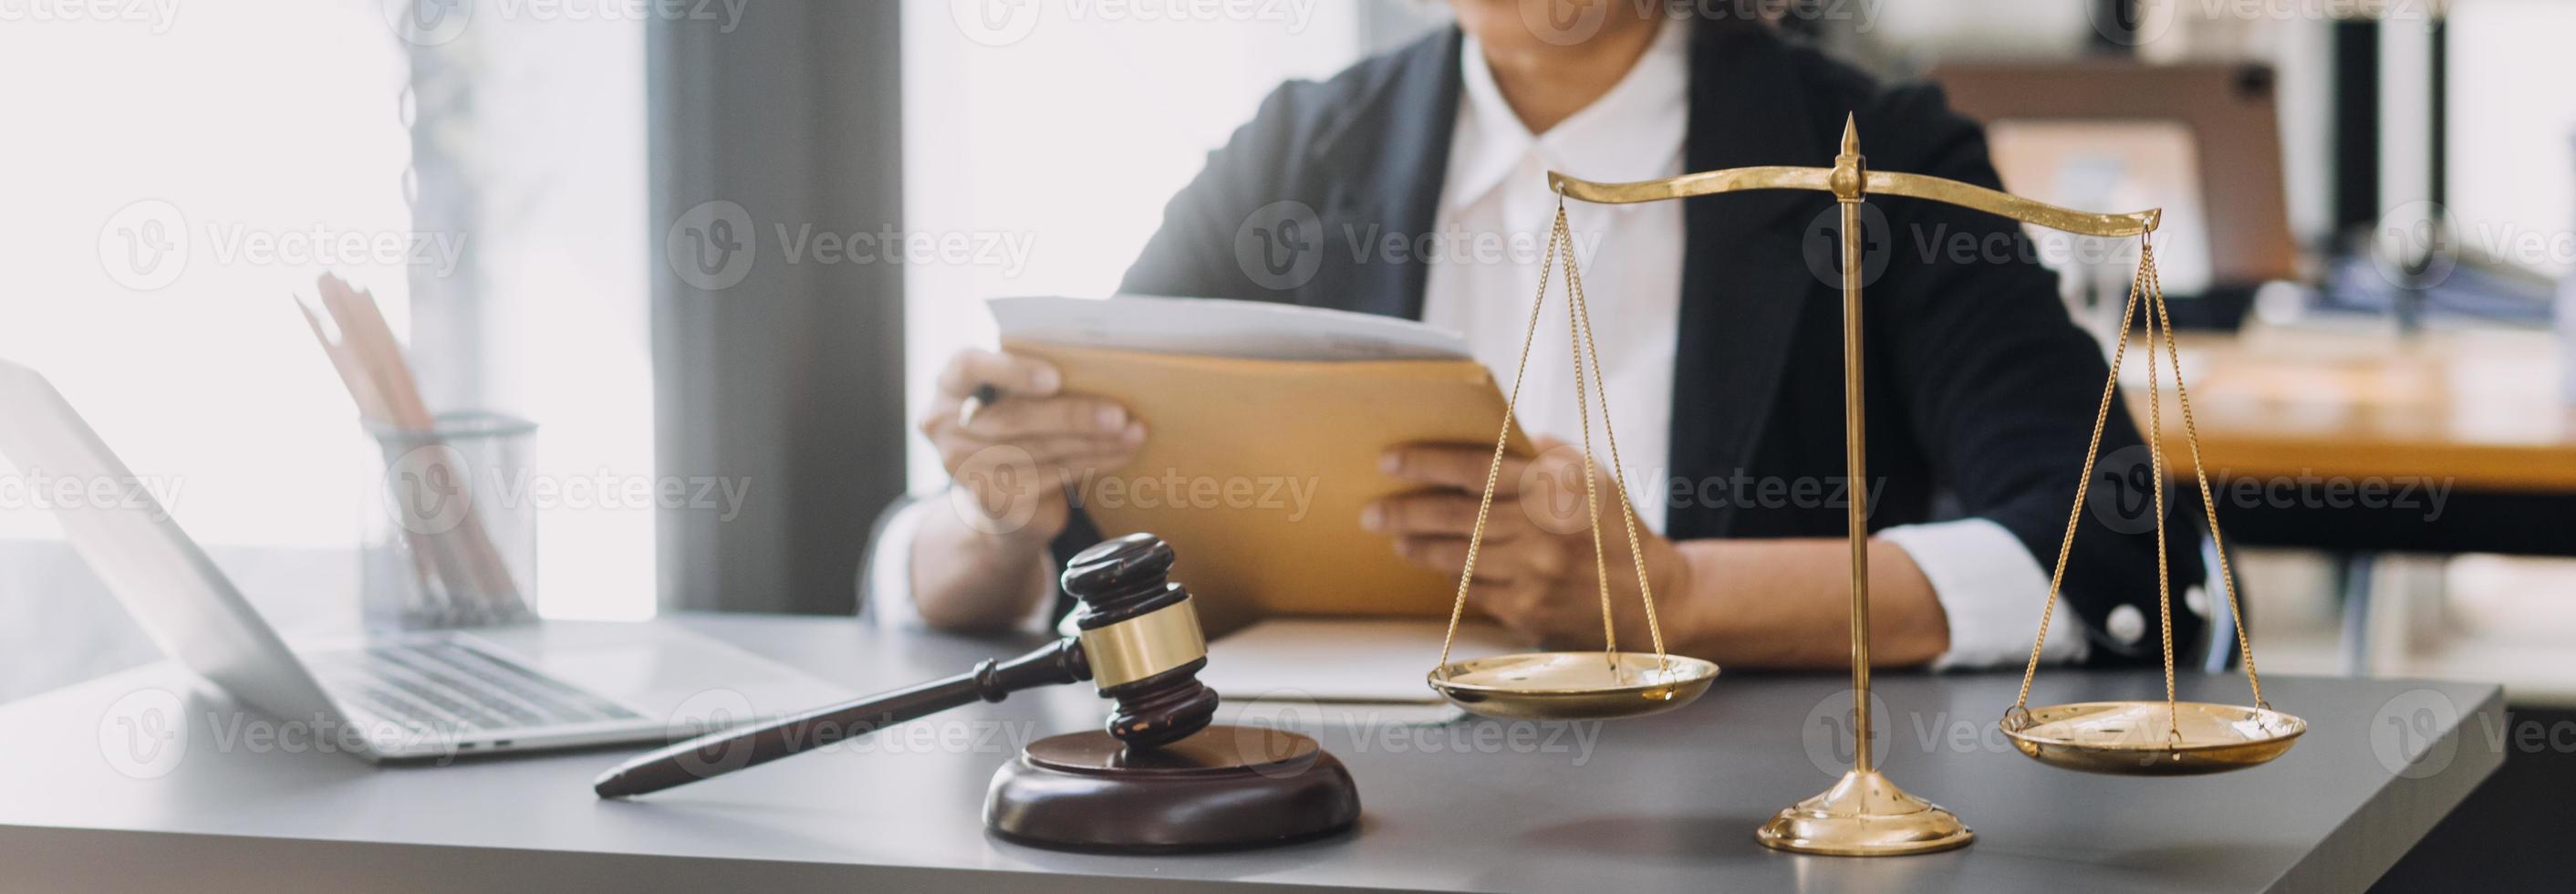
(174, 173)
(2512, 171)
(1057, 130)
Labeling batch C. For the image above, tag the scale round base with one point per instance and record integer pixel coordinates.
(1572, 685)
(1865, 815)
(2151, 738)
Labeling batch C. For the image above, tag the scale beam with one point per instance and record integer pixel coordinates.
(1889, 183)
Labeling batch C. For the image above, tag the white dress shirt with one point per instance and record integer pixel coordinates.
(1496, 203)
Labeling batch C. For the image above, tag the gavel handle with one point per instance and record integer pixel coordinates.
(725, 751)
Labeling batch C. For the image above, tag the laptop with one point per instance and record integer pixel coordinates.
(397, 697)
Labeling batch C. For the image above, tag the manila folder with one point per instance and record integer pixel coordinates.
(1255, 471)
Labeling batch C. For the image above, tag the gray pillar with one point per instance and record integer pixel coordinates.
(779, 373)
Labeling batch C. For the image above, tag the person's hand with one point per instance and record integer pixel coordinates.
(1011, 459)
(1535, 572)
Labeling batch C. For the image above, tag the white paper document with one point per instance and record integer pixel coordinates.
(1213, 327)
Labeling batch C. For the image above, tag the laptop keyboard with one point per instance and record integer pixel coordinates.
(444, 686)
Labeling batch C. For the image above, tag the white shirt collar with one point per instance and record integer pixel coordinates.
(1633, 132)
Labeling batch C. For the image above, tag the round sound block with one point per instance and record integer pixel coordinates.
(1225, 787)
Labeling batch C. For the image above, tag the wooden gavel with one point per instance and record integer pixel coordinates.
(1140, 643)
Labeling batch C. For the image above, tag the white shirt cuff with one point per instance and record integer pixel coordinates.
(1991, 589)
(889, 572)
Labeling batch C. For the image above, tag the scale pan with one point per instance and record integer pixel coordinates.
(1572, 685)
(2135, 739)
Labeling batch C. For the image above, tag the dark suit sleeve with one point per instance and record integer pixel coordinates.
(2001, 389)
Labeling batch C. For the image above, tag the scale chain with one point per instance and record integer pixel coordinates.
(1582, 305)
(2083, 483)
(2218, 544)
(2156, 481)
(1574, 318)
(1511, 406)
(1580, 343)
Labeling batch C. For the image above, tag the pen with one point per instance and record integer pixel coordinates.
(984, 396)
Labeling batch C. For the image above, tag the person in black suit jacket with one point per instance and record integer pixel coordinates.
(1980, 396)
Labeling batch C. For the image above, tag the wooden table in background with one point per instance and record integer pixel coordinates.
(2481, 408)
(2469, 426)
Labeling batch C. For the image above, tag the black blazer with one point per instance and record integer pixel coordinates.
(1980, 392)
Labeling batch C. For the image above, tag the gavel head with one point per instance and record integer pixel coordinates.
(1141, 637)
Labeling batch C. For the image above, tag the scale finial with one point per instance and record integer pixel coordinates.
(1851, 134)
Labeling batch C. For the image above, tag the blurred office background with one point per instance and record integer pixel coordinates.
(2370, 248)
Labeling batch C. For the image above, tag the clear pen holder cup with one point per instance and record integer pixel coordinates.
(450, 539)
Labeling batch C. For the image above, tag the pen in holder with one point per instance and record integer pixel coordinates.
(452, 540)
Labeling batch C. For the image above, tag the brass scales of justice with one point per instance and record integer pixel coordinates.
(1866, 814)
